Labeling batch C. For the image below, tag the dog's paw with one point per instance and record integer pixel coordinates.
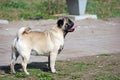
(27, 73)
(54, 71)
(12, 72)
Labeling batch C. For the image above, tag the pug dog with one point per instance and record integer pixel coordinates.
(48, 43)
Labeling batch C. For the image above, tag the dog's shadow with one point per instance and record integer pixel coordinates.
(33, 65)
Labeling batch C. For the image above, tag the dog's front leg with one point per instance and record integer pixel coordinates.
(49, 62)
(52, 59)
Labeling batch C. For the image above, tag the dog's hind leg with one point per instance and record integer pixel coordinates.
(14, 57)
(25, 59)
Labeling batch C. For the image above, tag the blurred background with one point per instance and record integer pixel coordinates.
(45, 9)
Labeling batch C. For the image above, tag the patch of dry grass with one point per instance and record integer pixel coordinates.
(99, 67)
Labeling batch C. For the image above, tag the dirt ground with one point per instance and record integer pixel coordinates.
(91, 37)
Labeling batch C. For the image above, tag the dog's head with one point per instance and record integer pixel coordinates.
(66, 24)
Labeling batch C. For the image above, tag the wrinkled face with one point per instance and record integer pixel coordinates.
(66, 24)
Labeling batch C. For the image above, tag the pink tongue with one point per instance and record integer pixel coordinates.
(72, 27)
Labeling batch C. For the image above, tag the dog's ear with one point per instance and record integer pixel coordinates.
(60, 23)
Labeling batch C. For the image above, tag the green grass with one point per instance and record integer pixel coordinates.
(75, 77)
(41, 9)
(78, 69)
(28, 9)
(104, 54)
(104, 8)
(103, 76)
(80, 66)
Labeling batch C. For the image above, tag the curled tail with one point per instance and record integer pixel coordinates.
(23, 30)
